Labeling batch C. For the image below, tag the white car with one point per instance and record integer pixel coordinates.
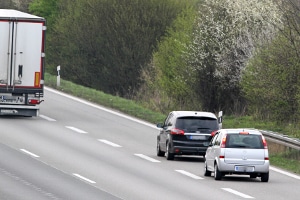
(237, 151)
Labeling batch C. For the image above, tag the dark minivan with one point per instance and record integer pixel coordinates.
(186, 133)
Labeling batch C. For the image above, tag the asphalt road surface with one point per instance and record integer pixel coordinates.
(79, 150)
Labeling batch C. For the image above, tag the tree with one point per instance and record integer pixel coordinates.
(165, 86)
(105, 44)
(271, 79)
(45, 8)
(225, 37)
(271, 84)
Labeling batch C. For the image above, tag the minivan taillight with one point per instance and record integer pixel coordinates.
(223, 142)
(264, 142)
(176, 131)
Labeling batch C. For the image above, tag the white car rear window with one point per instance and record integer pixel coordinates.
(244, 141)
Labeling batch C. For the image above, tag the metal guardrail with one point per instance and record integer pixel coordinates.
(282, 139)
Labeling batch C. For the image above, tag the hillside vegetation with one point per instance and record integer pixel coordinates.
(241, 57)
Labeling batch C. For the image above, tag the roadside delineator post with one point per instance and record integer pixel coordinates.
(58, 76)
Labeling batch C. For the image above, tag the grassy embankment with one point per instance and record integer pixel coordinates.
(289, 160)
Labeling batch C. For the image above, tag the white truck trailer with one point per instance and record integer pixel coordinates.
(22, 53)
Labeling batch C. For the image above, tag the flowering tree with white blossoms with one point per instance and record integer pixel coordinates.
(271, 80)
(225, 37)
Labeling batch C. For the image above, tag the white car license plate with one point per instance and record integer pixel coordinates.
(244, 168)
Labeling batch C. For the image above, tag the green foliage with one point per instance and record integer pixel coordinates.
(105, 44)
(45, 8)
(271, 84)
(109, 45)
(287, 160)
(225, 36)
(166, 84)
(121, 104)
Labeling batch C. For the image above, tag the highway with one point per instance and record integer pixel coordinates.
(79, 150)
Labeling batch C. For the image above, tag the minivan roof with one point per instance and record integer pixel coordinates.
(194, 113)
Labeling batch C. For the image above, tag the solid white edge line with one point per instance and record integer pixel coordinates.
(146, 157)
(76, 129)
(47, 118)
(83, 178)
(189, 174)
(109, 143)
(29, 153)
(237, 193)
(285, 173)
(100, 107)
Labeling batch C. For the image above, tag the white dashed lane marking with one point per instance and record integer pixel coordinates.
(47, 118)
(76, 129)
(109, 143)
(189, 174)
(146, 157)
(237, 193)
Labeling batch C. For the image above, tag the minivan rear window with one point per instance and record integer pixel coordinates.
(244, 141)
(203, 124)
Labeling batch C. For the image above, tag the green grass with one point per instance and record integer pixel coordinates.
(283, 160)
(126, 106)
(250, 122)
(287, 160)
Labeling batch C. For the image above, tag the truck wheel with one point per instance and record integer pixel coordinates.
(169, 156)
(217, 174)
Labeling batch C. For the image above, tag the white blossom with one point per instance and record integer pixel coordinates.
(226, 34)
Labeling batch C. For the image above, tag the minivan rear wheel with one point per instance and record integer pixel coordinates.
(169, 156)
(217, 174)
(158, 151)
